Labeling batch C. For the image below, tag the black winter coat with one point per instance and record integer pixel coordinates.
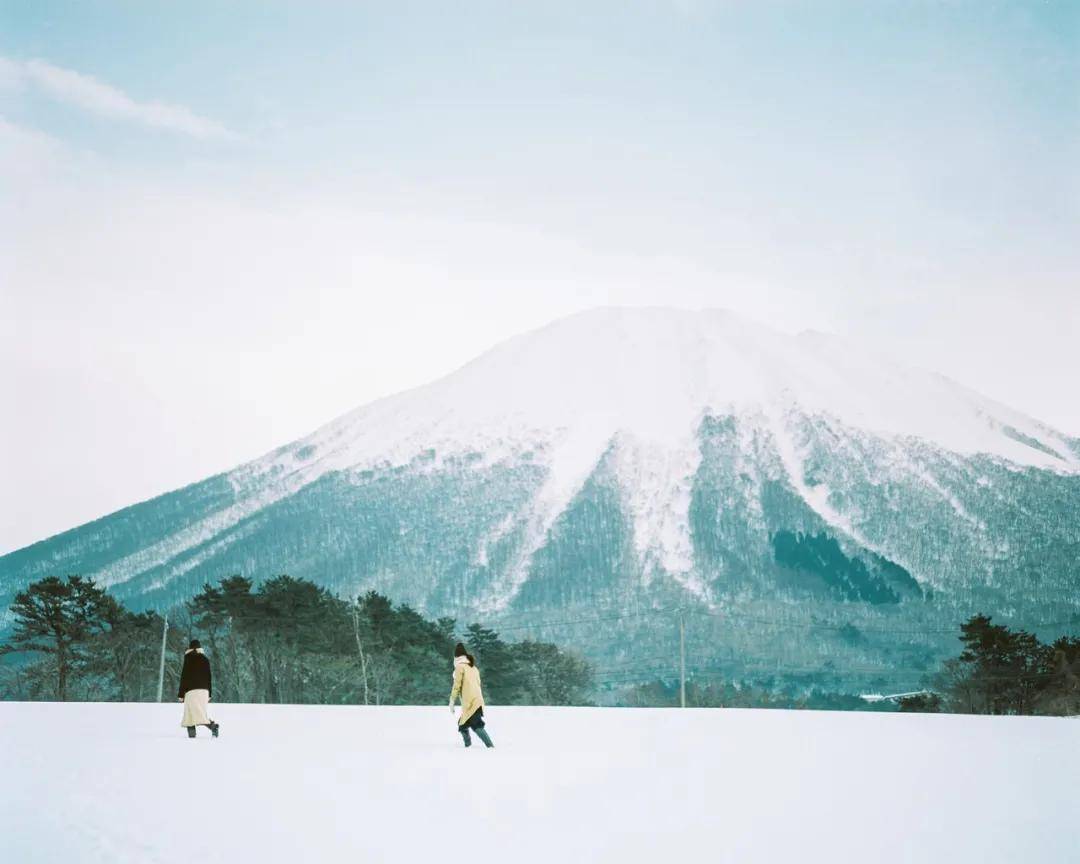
(196, 673)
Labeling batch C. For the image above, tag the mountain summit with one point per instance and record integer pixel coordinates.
(628, 460)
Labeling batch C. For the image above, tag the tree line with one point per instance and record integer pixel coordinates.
(998, 671)
(1004, 671)
(285, 640)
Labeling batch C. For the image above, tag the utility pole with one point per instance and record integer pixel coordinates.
(360, 648)
(161, 669)
(682, 660)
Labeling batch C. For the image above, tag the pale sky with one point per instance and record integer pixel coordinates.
(222, 225)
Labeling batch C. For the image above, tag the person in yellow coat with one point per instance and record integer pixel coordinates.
(467, 686)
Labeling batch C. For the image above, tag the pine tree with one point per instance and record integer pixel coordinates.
(61, 619)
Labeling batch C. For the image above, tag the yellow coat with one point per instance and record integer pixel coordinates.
(467, 686)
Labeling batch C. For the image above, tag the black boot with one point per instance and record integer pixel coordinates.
(465, 735)
(481, 733)
(190, 731)
(214, 727)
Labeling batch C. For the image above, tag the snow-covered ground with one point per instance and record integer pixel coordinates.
(122, 783)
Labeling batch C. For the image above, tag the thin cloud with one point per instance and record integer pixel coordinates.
(97, 97)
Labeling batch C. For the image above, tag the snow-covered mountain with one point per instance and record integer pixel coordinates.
(814, 507)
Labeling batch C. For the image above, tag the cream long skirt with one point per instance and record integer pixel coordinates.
(196, 708)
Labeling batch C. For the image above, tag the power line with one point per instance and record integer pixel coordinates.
(718, 614)
(716, 673)
(635, 672)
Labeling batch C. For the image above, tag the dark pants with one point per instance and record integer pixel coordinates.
(476, 723)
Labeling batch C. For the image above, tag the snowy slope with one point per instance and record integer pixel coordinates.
(644, 379)
(653, 373)
(641, 379)
(627, 460)
(117, 783)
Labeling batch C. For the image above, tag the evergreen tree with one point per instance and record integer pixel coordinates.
(921, 703)
(60, 619)
(1006, 667)
(284, 640)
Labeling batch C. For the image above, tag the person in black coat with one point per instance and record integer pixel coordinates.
(196, 685)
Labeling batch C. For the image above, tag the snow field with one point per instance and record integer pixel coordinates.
(122, 783)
